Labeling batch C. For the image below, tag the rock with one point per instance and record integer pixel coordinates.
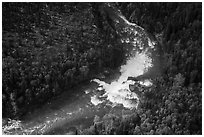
(132, 78)
(133, 87)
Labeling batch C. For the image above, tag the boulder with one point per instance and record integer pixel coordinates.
(133, 78)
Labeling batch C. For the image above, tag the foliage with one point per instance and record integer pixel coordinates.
(178, 28)
(174, 110)
(174, 104)
(49, 47)
(111, 124)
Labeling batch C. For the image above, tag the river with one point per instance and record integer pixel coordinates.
(78, 106)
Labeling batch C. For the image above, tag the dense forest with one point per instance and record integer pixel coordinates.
(50, 47)
(42, 58)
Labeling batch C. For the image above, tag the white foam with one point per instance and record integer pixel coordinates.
(146, 83)
(95, 100)
(100, 88)
(118, 91)
(87, 91)
(151, 43)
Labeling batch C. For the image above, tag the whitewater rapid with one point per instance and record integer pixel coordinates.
(138, 62)
(118, 91)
